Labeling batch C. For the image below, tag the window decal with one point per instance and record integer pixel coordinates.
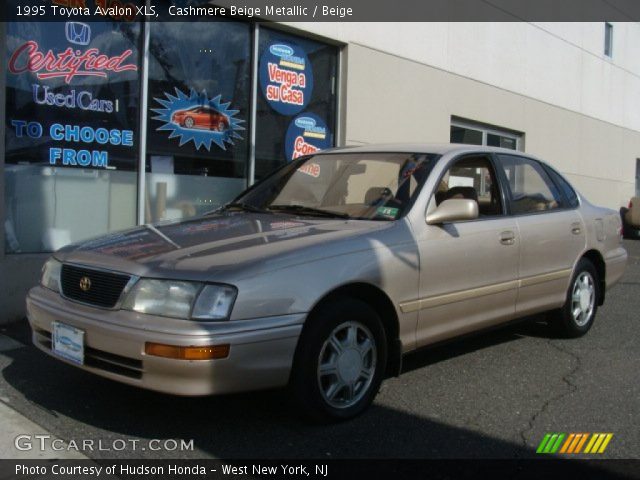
(307, 134)
(286, 77)
(198, 118)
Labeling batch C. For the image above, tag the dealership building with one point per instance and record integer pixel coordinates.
(117, 123)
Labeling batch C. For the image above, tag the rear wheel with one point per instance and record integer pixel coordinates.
(188, 122)
(577, 315)
(220, 127)
(340, 361)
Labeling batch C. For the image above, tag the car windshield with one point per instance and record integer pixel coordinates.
(371, 186)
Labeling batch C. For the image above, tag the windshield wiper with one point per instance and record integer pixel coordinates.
(301, 209)
(244, 207)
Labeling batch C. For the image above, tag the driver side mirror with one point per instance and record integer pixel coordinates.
(453, 210)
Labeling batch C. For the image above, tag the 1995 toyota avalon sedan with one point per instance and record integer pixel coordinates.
(325, 273)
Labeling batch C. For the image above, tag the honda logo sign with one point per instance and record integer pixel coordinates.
(78, 33)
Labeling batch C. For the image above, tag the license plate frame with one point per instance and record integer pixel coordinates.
(67, 342)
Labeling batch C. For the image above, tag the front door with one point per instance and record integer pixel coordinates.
(468, 269)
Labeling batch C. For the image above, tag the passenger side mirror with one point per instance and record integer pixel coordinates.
(453, 210)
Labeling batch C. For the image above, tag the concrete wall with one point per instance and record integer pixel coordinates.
(18, 273)
(393, 99)
(560, 63)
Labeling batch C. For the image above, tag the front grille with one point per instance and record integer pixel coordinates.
(104, 290)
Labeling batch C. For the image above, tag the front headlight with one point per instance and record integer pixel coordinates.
(51, 275)
(175, 298)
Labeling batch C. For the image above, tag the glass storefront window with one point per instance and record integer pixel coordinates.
(71, 135)
(296, 101)
(73, 146)
(198, 116)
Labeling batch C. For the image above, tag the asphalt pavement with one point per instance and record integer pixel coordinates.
(491, 396)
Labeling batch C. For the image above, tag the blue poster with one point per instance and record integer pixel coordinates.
(286, 77)
(307, 134)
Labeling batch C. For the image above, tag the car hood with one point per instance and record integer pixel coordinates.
(221, 245)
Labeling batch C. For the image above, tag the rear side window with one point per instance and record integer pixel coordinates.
(531, 187)
(568, 191)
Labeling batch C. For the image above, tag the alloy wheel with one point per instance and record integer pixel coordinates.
(347, 364)
(583, 299)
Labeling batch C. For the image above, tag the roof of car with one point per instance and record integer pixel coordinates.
(437, 148)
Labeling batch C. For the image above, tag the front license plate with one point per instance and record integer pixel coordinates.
(68, 342)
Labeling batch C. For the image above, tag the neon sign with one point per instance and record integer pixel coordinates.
(68, 64)
(77, 134)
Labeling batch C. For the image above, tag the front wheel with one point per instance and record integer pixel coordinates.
(340, 361)
(576, 316)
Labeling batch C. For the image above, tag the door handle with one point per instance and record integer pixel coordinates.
(576, 229)
(507, 238)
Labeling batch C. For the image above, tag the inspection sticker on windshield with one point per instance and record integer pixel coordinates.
(387, 212)
(68, 342)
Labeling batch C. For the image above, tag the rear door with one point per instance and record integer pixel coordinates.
(551, 232)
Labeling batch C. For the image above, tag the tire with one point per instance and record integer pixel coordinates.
(220, 127)
(577, 315)
(188, 122)
(342, 390)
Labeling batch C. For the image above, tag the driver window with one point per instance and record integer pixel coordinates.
(472, 178)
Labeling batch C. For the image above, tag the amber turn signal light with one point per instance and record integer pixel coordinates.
(207, 352)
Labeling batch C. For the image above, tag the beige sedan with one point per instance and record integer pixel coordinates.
(323, 275)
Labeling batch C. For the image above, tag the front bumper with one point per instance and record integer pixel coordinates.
(260, 356)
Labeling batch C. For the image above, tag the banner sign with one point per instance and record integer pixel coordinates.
(286, 77)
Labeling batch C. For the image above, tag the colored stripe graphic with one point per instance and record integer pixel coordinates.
(550, 443)
(581, 443)
(572, 443)
(543, 443)
(567, 443)
(598, 443)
